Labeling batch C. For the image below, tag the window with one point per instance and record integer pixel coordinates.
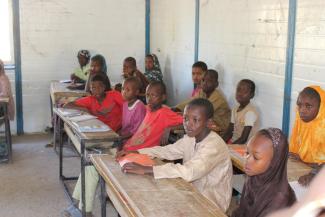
(6, 36)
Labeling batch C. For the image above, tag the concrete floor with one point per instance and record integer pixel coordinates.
(30, 186)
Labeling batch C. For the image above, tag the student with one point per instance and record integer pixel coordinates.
(134, 110)
(308, 134)
(266, 187)
(157, 122)
(244, 117)
(97, 66)
(5, 91)
(81, 73)
(221, 116)
(130, 70)
(206, 160)
(104, 103)
(198, 70)
(153, 71)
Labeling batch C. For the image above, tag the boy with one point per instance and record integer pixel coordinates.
(207, 163)
(221, 116)
(307, 141)
(198, 70)
(244, 117)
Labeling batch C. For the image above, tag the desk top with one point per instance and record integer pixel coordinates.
(295, 168)
(58, 90)
(93, 136)
(142, 195)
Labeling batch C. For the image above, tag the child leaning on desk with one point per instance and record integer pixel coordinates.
(206, 159)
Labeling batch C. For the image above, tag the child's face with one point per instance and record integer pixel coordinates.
(154, 97)
(95, 67)
(128, 69)
(197, 75)
(209, 83)
(259, 155)
(129, 91)
(149, 63)
(308, 107)
(194, 121)
(97, 88)
(82, 60)
(243, 93)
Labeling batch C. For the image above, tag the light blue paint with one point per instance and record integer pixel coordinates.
(289, 65)
(17, 57)
(147, 30)
(197, 30)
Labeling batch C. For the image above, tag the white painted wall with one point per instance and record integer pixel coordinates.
(172, 39)
(53, 31)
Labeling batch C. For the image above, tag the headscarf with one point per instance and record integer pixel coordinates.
(84, 53)
(308, 139)
(102, 61)
(155, 73)
(269, 191)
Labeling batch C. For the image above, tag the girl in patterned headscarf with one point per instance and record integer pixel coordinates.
(5, 91)
(153, 71)
(266, 188)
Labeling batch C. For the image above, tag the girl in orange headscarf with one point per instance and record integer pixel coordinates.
(308, 135)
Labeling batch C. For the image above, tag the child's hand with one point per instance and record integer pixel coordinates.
(137, 169)
(306, 179)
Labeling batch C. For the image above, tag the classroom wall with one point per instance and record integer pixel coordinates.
(53, 31)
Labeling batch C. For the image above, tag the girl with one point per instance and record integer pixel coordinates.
(80, 74)
(5, 91)
(266, 188)
(308, 134)
(153, 71)
(97, 66)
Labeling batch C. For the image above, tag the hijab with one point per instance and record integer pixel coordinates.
(270, 190)
(155, 73)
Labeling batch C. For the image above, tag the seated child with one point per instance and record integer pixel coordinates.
(97, 66)
(198, 70)
(80, 74)
(308, 134)
(158, 119)
(206, 159)
(106, 104)
(134, 110)
(153, 71)
(266, 187)
(5, 91)
(130, 70)
(244, 117)
(221, 116)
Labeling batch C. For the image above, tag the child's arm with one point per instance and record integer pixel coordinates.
(229, 132)
(244, 136)
(72, 105)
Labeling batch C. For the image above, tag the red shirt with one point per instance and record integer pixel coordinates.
(113, 102)
(152, 128)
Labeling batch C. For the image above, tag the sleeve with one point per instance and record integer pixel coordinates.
(250, 118)
(200, 165)
(170, 152)
(172, 118)
(140, 114)
(84, 102)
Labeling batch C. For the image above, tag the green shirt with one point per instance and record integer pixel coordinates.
(83, 72)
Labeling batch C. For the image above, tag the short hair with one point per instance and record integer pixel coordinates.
(160, 84)
(101, 59)
(104, 79)
(200, 64)
(251, 85)
(131, 60)
(311, 93)
(135, 81)
(213, 73)
(205, 104)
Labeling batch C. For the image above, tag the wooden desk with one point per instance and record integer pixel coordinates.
(4, 101)
(80, 140)
(137, 195)
(295, 168)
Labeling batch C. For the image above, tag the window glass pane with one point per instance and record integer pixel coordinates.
(6, 47)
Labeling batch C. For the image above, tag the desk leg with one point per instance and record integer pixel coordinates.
(60, 147)
(83, 162)
(103, 195)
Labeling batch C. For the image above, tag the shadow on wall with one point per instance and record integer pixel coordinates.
(169, 82)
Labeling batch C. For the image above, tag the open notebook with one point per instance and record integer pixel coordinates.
(91, 125)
